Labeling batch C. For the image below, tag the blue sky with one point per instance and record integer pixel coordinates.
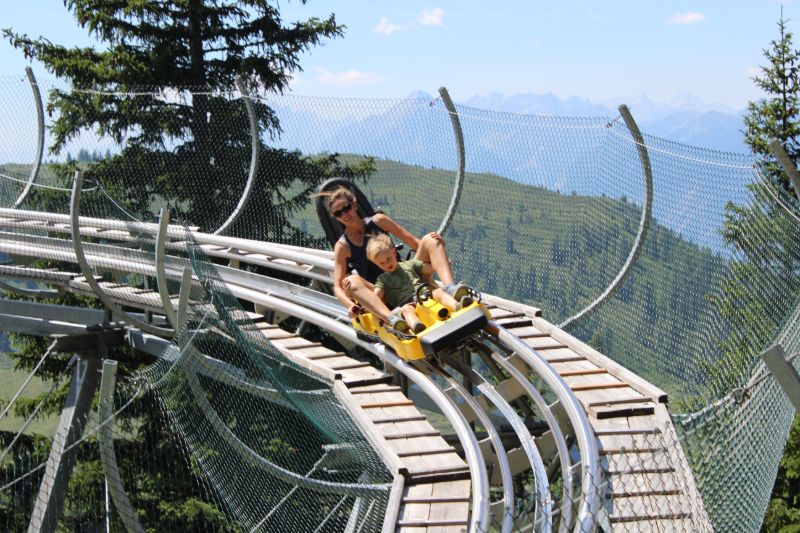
(592, 49)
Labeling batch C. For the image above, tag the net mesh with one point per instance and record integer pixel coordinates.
(550, 211)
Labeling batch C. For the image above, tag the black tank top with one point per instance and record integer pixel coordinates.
(358, 254)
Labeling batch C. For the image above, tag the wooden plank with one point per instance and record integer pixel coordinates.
(454, 513)
(378, 405)
(628, 399)
(543, 343)
(642, 461)
(414, 511)
(602, 361)
(621, 409)
(596, 386)
(293, 342)
(622, 483)
(372, 389)
(352, 364)
(639, 508)
(584, 372)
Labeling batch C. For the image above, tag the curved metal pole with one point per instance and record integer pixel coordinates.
(37, 98)
(161, 274)
(644, 221)
(183, 299)
(30, 293)
(459, 184)
(494, 437)
(80, 257)
(558, 436)
(787, 164)
(252, 457)
(590, 458)
(108, 457)
(254, 147)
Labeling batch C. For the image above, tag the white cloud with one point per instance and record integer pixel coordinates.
(690, 17)
(347, 77)
(431, 17)
(385, 27)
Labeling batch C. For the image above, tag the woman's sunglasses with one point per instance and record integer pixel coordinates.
(339, 212)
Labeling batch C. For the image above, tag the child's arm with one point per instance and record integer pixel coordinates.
(379, 293)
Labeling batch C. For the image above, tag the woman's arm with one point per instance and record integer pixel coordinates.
(341, 254)
(390, 226)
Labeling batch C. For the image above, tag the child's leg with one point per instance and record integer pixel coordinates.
(441, 296)
(411, 318)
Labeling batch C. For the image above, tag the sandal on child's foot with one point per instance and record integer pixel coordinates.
(465, 301)
(396, 321)
(460, 290)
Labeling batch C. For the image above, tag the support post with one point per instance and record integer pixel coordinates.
(255, 147)
(37, 98)
(107, 455)
(784, 373)
(52, 492)
(644, 221)
(787, 164)
(459, 184)
(86, 270)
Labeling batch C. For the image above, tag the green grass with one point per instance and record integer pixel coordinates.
(12, 380)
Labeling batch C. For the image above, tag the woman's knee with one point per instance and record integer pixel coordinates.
(353, 283)
(431, 239)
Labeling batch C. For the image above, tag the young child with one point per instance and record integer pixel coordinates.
(397, 286)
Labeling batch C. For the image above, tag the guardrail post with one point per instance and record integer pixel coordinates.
(108, 458)
(644, 221)
(255, 149)
(784, 372)
(787, 164)
(459, 184)
(53, 490)
(37, 98)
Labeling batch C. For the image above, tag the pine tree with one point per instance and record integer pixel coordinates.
(188, 150)
(778, 115)
(763, 235)
(161, 90)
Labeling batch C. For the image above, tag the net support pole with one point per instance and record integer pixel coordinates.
(459, 183)
(784, 372)
(787, 164)
(53, 491)
(37, 163)
(86, 270)
(644, 221)
(108, 457)
(255, 146)
(161, 273)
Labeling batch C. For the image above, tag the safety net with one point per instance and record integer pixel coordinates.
(675, 261)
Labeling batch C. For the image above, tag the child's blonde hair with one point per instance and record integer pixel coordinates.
(378, 243)
(337, 193)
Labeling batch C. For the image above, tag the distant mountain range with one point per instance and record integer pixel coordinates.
(686, 119)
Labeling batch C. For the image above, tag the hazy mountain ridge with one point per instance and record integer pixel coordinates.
(685, 119)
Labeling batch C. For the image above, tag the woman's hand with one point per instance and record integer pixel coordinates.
(354, 310)
(435, 236)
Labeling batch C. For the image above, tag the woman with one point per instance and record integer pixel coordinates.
(351, 247)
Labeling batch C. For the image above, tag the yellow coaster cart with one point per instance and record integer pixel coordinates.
(444, 328)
